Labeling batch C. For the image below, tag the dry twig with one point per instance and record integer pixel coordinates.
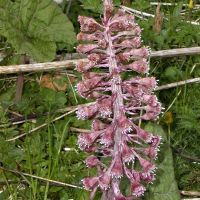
(60, 65)
(176, 84)
(190, 193)
(54, 182)
(145, 14)
(41, 126)
(45, 124)
(171, 4)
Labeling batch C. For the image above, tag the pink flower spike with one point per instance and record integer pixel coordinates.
(117, 192)
(140, 66)
(121, 197)
(96, 58)
(105, 107)
(147, 137)
(151, 152)
(124, 123)
(149, 82)
(130, 43)
(104, 181)
(92, 161)
(84, 66)
(122, 25)
(90, 37)
(90, 182)
(86, 139)
(135, 54)
(148, 177)
(106, 138)
(137, 189)
(132, 33)
(85, 112)
(127, 154)
(136, 175)
(98, 125)
(155, 141)
(146, 165)
(88, 24)
(113, 47)
(90, 149)
(151, 100)
(86, 48)
(117, 167)
(84, 87)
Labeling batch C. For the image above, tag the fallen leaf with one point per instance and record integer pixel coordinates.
(54, 82)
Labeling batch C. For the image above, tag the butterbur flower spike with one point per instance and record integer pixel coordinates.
(113, 46)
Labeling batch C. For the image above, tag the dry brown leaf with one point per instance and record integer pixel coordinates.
(158, 21)
(53, 82)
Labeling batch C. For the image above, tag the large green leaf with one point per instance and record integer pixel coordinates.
(165, 186)
(34, 27)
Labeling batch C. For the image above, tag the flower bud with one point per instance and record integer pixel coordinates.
(140, 66)
(90, 182)
(137, 189)
(131, 43)
(92, 161)
(85, 112)
(146, 165)
(86, 48)
(98, 125)
(104, 180)
(105, 107)
(107, 136)
(124, 123)
(84, 66)
(87, 139)
(151, 152)
(127, 154)
(116, 167)
(88, 24)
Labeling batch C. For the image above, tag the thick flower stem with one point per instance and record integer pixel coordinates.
(118, 106)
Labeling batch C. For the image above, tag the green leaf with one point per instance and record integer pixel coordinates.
(94, 5)
(177, 9)
(6, 98)
(165, 186)
(2, 196)
(34, 27)
(82, 195)
(53, 98)
(173, 73)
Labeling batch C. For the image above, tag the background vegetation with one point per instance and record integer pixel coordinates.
(41, 29)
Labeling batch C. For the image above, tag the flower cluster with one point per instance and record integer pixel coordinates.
(114, 47)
